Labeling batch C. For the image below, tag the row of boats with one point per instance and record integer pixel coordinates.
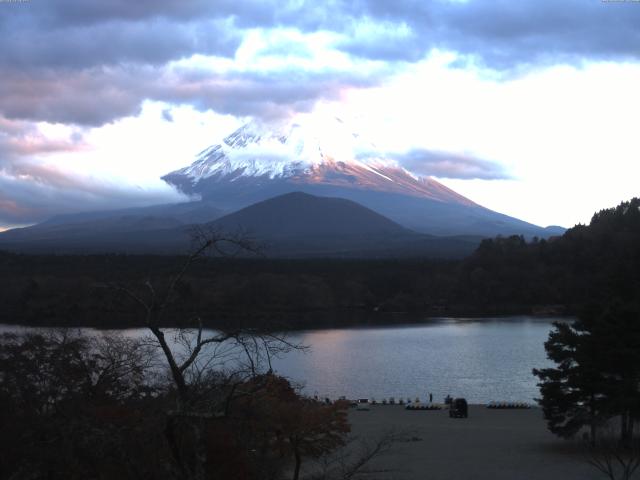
(364, 404)
(509, 405)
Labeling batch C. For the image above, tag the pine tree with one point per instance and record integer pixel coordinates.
(617, 330)
(573, 392)
(597, 376)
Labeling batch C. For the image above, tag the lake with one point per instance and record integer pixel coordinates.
(481, 359)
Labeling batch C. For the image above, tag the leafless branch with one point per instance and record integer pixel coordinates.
(356, 457)
(612, 458)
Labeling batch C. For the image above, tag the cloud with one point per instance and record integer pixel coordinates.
(32, 190)
(71, 62)
(167, 115)
(501, 34)
(78, 62)
(252, 13)
(32, 193)
(449, 165)
(96, 96)
(155, 42)
(90, 97)
(20, 139)
(263, 94)
(383, 40)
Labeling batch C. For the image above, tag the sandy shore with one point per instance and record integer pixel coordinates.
(490, 444)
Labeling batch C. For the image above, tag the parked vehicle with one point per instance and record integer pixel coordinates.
(459, 408)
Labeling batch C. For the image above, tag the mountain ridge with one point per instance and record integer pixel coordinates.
(261, 161)
(299, 213)
(294, 225)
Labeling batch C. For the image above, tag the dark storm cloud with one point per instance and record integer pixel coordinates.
(449, 165)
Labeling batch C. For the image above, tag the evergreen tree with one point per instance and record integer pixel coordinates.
(617, 330)
(573, 392)
(597, 376)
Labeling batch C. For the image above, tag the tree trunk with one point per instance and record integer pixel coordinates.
(624, 428)
(170, 435)
(629, 429)
(200, 454)
(593, 424)
(298, 458)
(176, 373)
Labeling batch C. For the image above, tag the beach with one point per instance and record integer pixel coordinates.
(489, 444)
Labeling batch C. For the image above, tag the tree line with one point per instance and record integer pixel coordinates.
(505, 275)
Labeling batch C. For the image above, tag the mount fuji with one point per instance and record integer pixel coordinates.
(324, 157)
(306, 188)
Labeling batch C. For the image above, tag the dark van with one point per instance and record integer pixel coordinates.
(459, 408)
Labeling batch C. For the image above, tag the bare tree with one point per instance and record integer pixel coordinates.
(196, 358)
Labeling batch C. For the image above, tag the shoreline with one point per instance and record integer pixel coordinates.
(320, 320)
(491, 444)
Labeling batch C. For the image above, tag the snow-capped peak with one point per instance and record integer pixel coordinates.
(309, 152)
(285, 149)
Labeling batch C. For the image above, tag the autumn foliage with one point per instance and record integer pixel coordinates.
(73, 407)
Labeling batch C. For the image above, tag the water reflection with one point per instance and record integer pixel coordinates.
(484, 360)
(481, 359)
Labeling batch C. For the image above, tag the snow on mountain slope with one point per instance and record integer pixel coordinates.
(309, 150)
(278, 149)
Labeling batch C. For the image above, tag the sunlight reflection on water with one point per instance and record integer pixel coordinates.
(481, 359)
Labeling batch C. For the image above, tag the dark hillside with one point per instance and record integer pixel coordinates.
(587, 264)
(300, 214)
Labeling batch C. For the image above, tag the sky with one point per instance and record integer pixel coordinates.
(528, 108)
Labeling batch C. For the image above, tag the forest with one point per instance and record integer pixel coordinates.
(504, 276)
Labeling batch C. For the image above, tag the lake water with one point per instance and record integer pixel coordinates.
(480, 359)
